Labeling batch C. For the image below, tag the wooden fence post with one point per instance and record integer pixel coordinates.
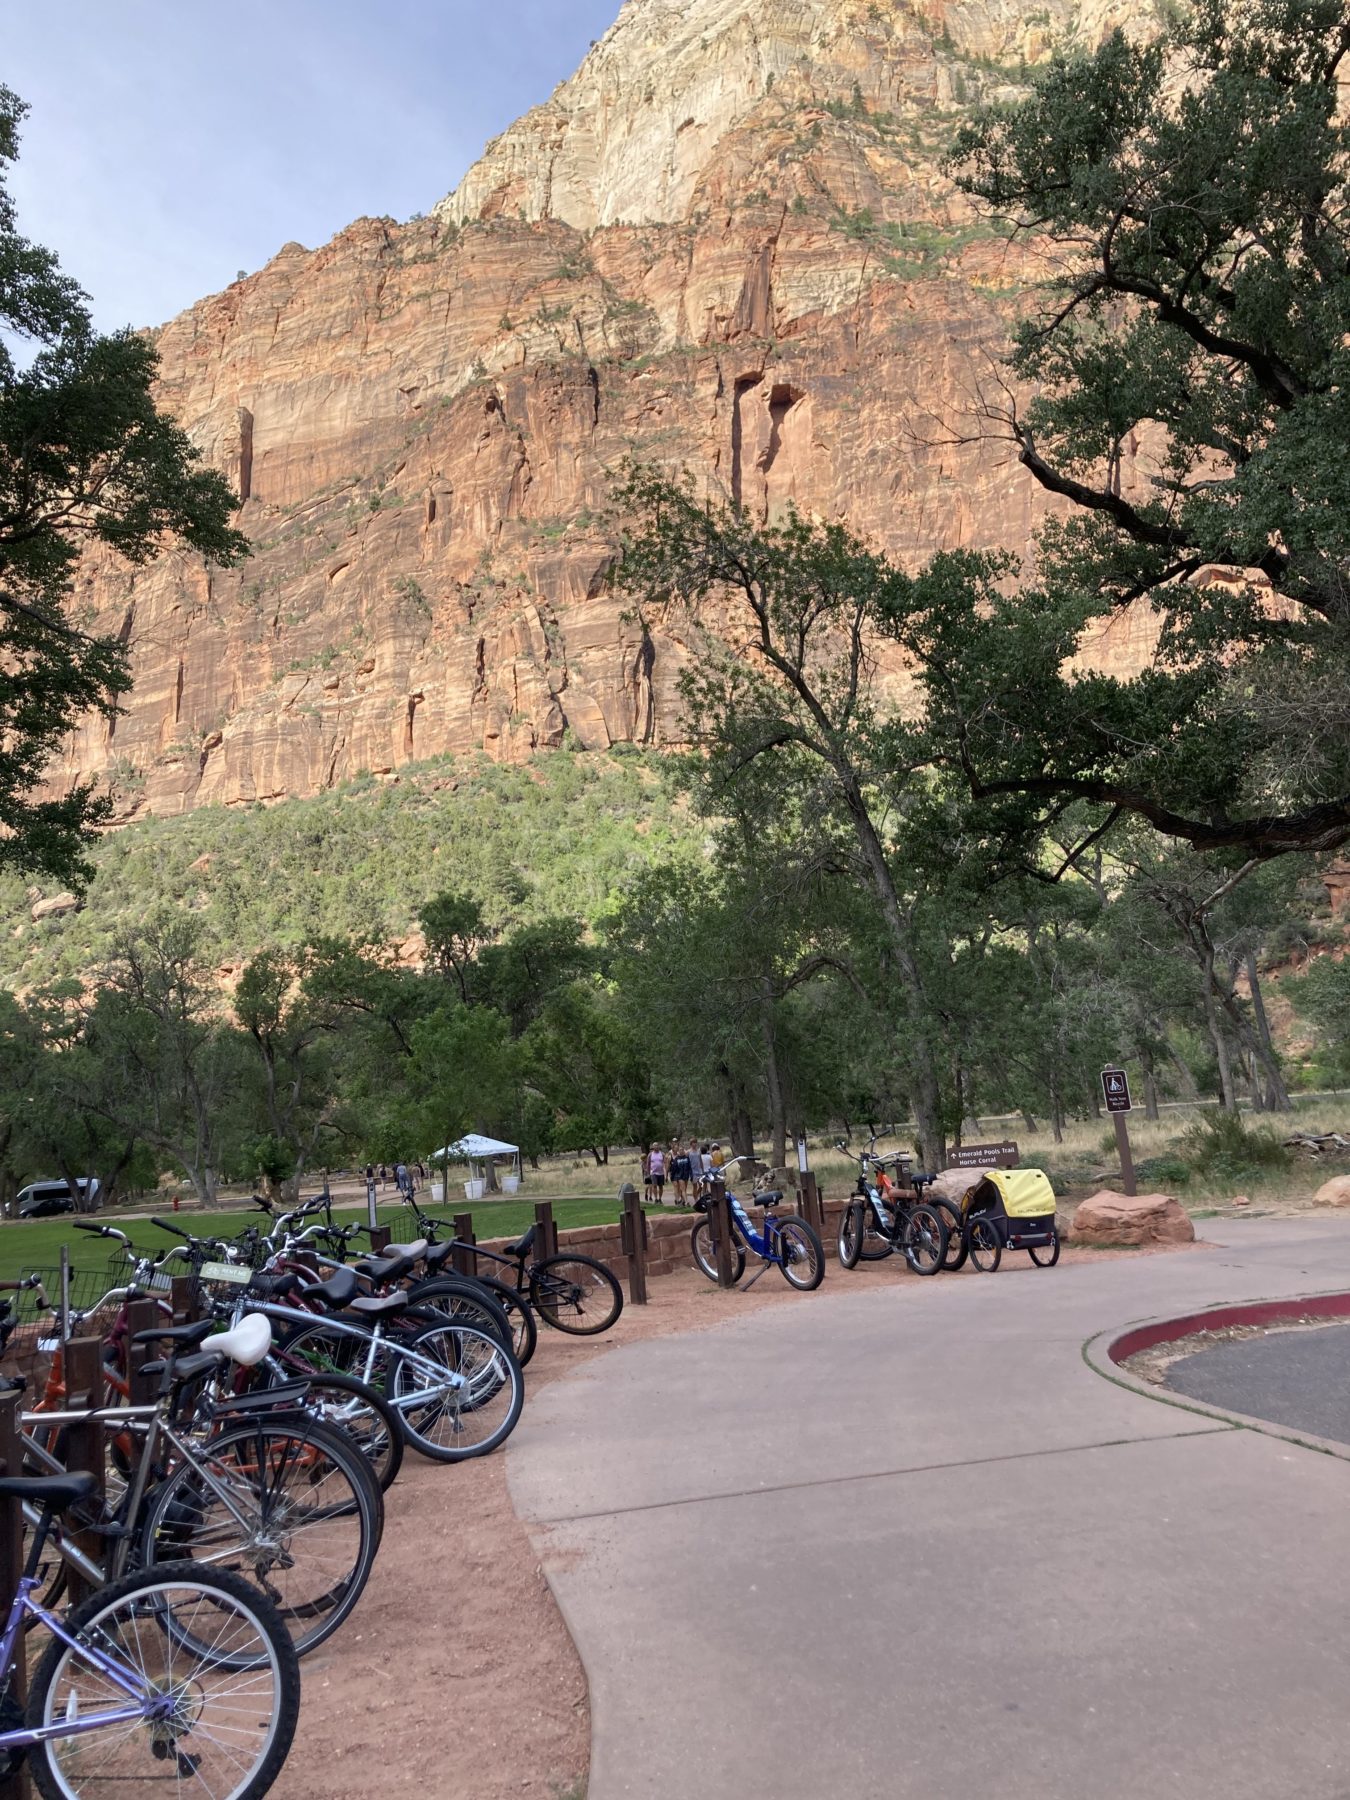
(719, 1223)
(462, 1259)
(808, 1201)
(142, 1315)
(546, 1236)
(633, 1239)
(13, 1787)
(183, 1299)
(380, 1239)
(84, 1388)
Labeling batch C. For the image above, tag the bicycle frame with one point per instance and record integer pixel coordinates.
(373, 1337)
(146, 1707)
(765, 1244)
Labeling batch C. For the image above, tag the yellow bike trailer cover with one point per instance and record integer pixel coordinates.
(1026, 1193)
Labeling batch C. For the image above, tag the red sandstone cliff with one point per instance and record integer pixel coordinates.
(725, 242)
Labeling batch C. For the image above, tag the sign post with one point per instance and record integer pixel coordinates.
(1116, 1093)
(372, 1204)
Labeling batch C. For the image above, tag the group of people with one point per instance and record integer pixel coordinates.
(400, 1175)
(688, 1170)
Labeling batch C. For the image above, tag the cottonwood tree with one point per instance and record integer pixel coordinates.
(86, 460)
(1188, 379)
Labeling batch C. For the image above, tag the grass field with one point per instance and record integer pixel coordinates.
(36, 1244)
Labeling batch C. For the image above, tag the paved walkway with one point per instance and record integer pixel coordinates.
(907, 1543)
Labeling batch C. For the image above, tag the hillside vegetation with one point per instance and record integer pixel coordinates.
(560, 836)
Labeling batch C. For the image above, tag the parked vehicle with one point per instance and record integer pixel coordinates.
(789, 1245)
(44, 1199)
(883, 1218)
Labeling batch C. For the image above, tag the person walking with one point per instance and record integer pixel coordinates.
(647, 1175)
(679, 1174)
(656, 1173)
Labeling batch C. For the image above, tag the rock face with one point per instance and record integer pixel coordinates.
(1106, 1218)
(726, 243)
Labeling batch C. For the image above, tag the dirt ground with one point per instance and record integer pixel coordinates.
(455, 1678)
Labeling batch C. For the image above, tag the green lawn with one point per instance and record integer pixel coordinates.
(36, 1244)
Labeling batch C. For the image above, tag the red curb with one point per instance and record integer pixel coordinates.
(1252, 1312)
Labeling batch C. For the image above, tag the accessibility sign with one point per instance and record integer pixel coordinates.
(1116, 1090)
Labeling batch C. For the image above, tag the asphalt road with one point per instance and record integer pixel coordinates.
(1296, 1378)
(905, 1544)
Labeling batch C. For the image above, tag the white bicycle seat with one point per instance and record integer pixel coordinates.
(247, 1342)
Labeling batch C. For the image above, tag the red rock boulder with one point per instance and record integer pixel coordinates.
(1107, 1218)
(1335, 1192)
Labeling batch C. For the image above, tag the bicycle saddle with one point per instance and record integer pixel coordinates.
(191, 1333)
(522, 1245)
(438, 1255)
(337, 1291)
(399, 1260)
(770, 1199)
(378, 1306)
(56, 1491)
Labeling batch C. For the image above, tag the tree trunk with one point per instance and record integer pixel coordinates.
(1150, 1085)
(925, 1096)
(773, 1081)
(1056, 1113)
(1280, 1100)
(1227, 1093)
(1029, 1123)
(959, 1099)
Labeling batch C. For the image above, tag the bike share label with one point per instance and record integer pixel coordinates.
(226, 1272)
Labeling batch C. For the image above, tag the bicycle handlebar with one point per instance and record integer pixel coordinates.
(177, 1230)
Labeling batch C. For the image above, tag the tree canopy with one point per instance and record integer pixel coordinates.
(86, 460)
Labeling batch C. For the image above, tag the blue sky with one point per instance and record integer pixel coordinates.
(172, 143)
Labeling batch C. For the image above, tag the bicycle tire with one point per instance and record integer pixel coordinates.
(560, 1298)
(705, 1257)
(350, 1405)
(184, 1519)
(465, 1300)
(985, 1246)
(271, 1667)
(456, 1424)
(954, 1257)
(876, 1244)
(923, 1240)
(1045, 1256)
(807, 1277)
(524, 1331)
(852, 1222)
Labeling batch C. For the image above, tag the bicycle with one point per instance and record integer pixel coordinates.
(574, 1294)
(172, 1674)
(874, 1225)
(272, 1493)
(790, 1245)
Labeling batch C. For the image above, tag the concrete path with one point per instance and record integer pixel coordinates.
(1297, 1378)
(907, 1543)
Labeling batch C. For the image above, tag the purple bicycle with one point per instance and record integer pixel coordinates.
(179, 1673)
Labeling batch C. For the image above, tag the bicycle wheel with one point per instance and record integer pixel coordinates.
(803, 1262)
(349, 1405)
(852, 1224)
(705, 1256)
(457, 1390)
(876, 1244)
(1045, 1256)
(986, 1247)
(204, 1639)
(955, 1255)
(465, 1301)
(575, 1294)
(524, 1331)
(923, 1240)
(287, 1502)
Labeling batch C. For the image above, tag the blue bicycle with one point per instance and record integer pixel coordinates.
(787, 1244)
(180, 1677)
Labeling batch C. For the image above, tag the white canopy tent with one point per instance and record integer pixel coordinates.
(477, 1151)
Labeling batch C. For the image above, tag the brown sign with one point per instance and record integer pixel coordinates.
(984, 1156)
(1116, 1091)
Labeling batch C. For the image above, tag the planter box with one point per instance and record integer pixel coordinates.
(510, 1184)
(473, 1190)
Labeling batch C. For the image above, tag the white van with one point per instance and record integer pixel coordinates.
(42, 1199)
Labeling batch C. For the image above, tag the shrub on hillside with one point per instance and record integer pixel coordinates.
(1223, 1147)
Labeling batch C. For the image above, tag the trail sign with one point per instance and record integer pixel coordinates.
(1116, 1090)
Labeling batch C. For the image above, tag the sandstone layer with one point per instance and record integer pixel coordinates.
(727, 243)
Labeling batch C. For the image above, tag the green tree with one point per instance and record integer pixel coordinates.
(289, 1033)
(1189, 380)
(86, 460)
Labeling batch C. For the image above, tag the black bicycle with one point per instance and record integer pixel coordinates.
(881, 1219)
(575, 1294)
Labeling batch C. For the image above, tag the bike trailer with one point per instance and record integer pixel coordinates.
(1020, 1203)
